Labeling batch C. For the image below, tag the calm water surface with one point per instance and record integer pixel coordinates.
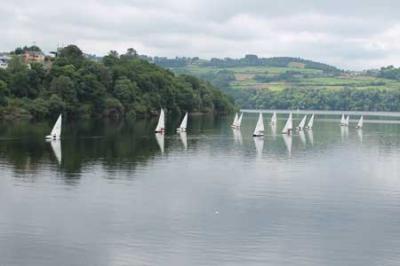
(115, 194)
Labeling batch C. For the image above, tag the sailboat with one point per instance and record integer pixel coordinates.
(347, 123)
(302, 123)
(161, 123)
(343, 121)
(235, 121)
(360, 123)
(56, 131)
(289, 125)
(310, 123)
(259, 130)
(182, 127)
(273, 119)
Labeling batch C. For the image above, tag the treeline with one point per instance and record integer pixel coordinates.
(389, 72)
(119, 85)
(319, 99)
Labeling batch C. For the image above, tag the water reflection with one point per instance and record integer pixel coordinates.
(310, 135)
(273, 131)
(302, 137)
(287, 139)
(115, 201)
(344, 132)
(56, 147)
(360, 135)
(160, 141)
(183, 137)
(259, 143)
(237, 136)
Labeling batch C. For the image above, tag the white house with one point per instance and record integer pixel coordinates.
(4, 59)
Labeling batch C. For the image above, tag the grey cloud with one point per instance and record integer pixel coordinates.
(351, 34)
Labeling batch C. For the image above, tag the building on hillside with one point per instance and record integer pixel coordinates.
(4, 59)
(33, 57)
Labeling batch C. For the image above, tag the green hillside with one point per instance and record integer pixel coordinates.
(292, 82)
(116, 86)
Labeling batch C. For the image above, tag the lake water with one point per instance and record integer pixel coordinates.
(328, 197)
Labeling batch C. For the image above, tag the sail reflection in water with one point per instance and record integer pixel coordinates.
(344, 132)
(310, 135)
(360, 135)
(56, 147)
(259, 143)
(237, 136)
(160, 141)
(302, 137)
(273, 131)
(287, 139)
(183, 137)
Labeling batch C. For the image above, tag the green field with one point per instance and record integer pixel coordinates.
(245, 78)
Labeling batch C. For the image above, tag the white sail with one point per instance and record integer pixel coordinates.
(302, 123)
(343, 121)
(347, 121)
(183, 126)
(311, 122)
(273, 119)
(360, 122)
(259, 130)
(289, 125)
(183, 137)
(160, 141)
(235, 120)
(161, 122)
(56, 131)
(239, 121)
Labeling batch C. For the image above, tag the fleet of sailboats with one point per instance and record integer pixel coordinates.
(55, 134)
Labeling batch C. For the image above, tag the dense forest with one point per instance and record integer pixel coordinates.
(118, 86)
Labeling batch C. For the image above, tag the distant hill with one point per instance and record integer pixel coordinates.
(292, 83)
(248, 60)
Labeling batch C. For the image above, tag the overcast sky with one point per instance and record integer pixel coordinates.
(346, 33)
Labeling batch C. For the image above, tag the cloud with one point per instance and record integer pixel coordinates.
(350, 34)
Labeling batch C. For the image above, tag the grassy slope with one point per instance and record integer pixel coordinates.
(245, 78)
